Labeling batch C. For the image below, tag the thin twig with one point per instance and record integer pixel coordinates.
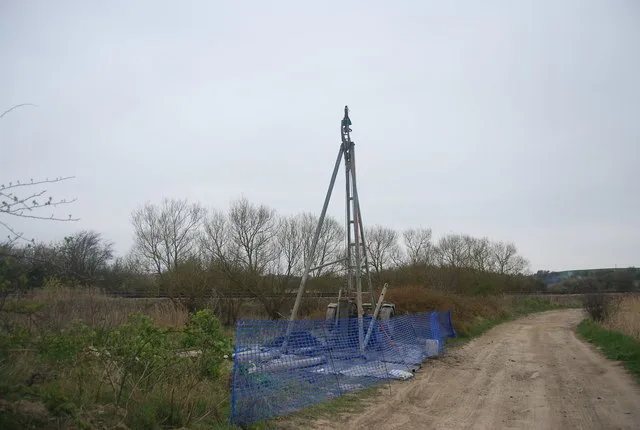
(51, 218)
(16, 107)
(28, 184)
(13, 232)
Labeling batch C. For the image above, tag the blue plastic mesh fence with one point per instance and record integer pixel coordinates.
(322, 359)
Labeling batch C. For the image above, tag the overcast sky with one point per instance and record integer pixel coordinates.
(515, 120)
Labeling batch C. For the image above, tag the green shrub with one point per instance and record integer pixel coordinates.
(133, 374)
(204, 332)
(67, 344)
(57, 403)
(17, 338)
(137, 355)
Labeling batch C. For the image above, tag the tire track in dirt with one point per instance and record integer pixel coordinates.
(533, 373)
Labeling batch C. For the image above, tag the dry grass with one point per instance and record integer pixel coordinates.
(468, 312)
(625, 316)
(55, 307)
(569, 300)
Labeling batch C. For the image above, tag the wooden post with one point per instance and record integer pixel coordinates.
(375, 316)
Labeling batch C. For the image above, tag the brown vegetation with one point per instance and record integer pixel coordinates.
(624, 315)
(55, 307)
(467, 311)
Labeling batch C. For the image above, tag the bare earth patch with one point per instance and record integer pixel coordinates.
(532, 373)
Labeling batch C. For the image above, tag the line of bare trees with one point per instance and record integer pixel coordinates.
(189, 252)
(254, 238)
(250, 248)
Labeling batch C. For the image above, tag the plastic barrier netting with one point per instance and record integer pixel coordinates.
(323, 359)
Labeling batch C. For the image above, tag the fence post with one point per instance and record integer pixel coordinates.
(434, 322)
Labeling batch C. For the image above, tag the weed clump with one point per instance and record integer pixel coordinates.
(598, 306)
(138, 371)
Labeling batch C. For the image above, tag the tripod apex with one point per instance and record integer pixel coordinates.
(346, 121)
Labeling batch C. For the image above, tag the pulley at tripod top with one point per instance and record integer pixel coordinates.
(346, 121)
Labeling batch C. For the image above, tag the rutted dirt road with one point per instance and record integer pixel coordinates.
(531, 373)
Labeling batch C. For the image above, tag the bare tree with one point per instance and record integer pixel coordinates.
(452, 251)
(289, 247)
(253, 229)
(85, 255)
(284, 269)
(165, 234)
(330, 241)
(464, 251)
(147, 247)
(506, 260)
(217, 248)
(417, 242)
(478, 253)
(454, 254)
(382, 246)
(243, 244)
(215, 239)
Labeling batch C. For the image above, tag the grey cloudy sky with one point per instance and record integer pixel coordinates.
(513, 120)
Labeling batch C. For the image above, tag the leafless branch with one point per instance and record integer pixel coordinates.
(32, 182)
(20, 206)
(16, 107)
(16, 236)
(16, 206)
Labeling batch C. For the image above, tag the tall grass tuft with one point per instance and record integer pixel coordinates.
(624, 316)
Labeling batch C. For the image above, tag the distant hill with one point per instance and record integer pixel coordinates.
(589, 280)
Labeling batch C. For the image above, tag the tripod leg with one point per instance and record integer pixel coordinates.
(314, 243)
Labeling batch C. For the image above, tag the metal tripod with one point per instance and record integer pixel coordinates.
(355, 258)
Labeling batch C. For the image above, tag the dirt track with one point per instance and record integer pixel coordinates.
(531, 373)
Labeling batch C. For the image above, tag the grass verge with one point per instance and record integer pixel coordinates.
(348, 403)
(614, 345)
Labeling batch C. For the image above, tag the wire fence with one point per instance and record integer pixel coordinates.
(323, 359)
